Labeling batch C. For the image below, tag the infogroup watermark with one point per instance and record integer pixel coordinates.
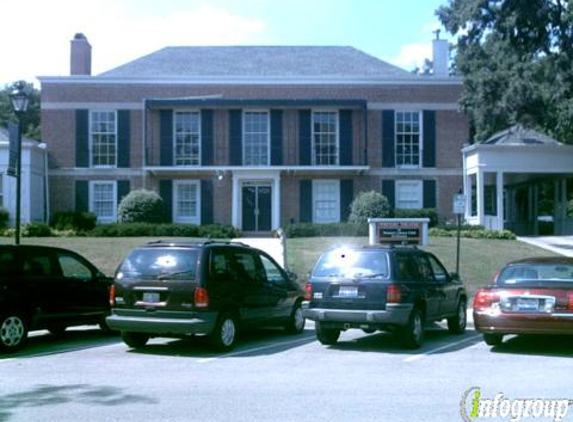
(474, 407)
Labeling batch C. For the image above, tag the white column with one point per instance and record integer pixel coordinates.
(499, 200)
(236, 201)
(479, 196)
(276, 205)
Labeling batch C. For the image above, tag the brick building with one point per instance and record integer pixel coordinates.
(256, 137)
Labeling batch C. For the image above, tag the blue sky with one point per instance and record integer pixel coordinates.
(399, 32)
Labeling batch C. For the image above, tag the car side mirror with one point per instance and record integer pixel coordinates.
(454, 276)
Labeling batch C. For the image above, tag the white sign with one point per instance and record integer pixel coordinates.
(459, 204)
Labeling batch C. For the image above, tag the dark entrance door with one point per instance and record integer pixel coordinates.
(257, 208)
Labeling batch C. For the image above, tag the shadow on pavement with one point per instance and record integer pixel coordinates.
(541, 345)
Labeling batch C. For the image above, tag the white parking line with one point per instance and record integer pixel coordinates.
(256, 349)
(439, 349)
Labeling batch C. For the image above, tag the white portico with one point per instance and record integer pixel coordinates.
(512, 179)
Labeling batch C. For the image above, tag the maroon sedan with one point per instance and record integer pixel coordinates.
(530, 296)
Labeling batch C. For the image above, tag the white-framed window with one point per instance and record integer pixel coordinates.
(103, 200)
(408, 138)
(187, 138)
(103, 138)
(325, 138)
(186, 201)
(326, 201)
(409, 194)
(256, 138)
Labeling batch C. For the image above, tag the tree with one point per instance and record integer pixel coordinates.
(141, 206)
(366, 205)
(31, 119)
(516, 58)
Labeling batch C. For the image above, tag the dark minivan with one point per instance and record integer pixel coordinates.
(44, 287)
(212, 288)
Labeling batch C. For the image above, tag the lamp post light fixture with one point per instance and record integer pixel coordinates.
(19, 99)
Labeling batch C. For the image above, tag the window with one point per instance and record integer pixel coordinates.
(187, 148)
(409, 194)
(103, 138)
(243, 266)
(439, 272)
(74, 268)
(103, 201)
(326, 201)
(274, 274)
(408, 139)
(256, 138)
(325, 138)
(186, 201)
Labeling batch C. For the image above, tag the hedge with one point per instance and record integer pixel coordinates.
(325, 230)
(215, 231)
(474, 233)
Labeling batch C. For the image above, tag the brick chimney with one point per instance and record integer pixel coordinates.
(81, 56)
(440, 55)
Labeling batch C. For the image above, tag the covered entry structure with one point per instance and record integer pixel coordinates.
(520, 180)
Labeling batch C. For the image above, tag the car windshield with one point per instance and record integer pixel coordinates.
(522, 273)
(158, 262)
(352, 264)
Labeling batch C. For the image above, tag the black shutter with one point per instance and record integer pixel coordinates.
(346, 196)
(123, 138)
(166, 137)
(82, 141)
(429, 194)
(206, 202)
(207, 147)
(345, 125)
(276, 137)
(166, 193)
(389, 191)
(235, 137)
(388, 139)
(304, 138)
(82, 196)
(429, 158)
(123, 187)
(305, 204)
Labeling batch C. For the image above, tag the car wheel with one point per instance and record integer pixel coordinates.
(13, 332)
(328, 336)
(296, 322)
(134, 340)
(224, 336)
(492, 339)
(413, 333)
(457, 323)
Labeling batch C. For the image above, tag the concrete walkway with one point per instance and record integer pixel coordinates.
(562, 245)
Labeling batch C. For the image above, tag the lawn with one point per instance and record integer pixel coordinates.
(479, 258)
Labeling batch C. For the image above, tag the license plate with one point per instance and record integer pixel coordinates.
(150, 297)
(527, 304)
(348, 291)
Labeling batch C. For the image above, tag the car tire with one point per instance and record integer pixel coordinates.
(493, 339)
(413, 333)
(13, 332)
(296, 322)
(457, 324)
(224, 335)
(134, 340)
(327, 336)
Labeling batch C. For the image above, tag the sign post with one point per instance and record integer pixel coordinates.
(459, 208)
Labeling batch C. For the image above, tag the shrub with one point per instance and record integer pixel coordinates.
(367, 205)
(430, 213)
(36, 230)
(164, 230)
(325, 230)
(474, 233)
(4, 218)
(141, 206)
(79, 221)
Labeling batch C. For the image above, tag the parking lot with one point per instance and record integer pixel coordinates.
(90, 376)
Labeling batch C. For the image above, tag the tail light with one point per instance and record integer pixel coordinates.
(570, 304)
(394, 294)
(308, 291)
(484, 299)
(201, 298)
(112, 295)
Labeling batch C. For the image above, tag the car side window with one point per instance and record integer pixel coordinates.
(273, 272)
(7, 262)
(38, 263)
(425, 268)
(219, 268)
(407, 267)
(439, 271)
(72, 267)
(243, 266)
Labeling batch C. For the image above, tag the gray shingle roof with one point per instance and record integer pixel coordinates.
(519, 135)
(258, 61)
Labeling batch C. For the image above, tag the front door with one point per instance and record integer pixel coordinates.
(257, 202)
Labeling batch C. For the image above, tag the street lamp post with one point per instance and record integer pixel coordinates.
(19, 99)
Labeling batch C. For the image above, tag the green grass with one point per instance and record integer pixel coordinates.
(480, 259)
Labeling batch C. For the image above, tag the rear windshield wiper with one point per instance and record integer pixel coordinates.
(166, 276)
(375, 275)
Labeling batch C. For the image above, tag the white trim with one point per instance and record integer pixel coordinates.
(174, 139)
(289, 169)
(255, 110)
(186, 220)
(74, 105)
(420, 139)
(96, 172)
(416, 172)
(106, 220)
(90, 139)
(414, 106)
(336, 134)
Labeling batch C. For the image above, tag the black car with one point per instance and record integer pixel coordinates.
(212, 288)
(383, 288)
(50, 288)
